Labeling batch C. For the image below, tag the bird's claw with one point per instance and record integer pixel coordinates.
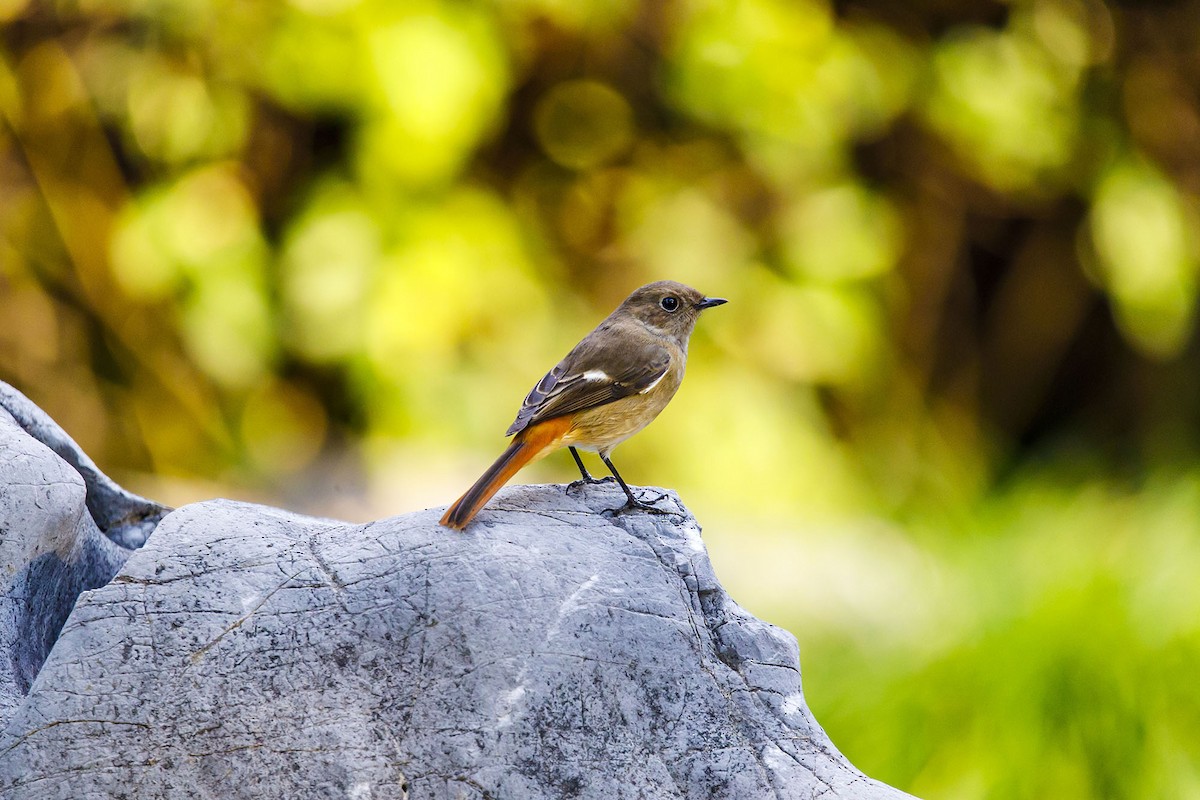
(588, 481)
(633, 504)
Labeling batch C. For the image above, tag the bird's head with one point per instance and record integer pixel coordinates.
(668, 307)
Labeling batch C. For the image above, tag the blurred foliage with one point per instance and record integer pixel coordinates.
(321, 248)
(1045, 650)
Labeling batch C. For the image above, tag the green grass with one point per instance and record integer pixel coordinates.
(1049, 647)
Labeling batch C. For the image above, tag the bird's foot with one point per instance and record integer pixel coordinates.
(588, 480)
(635, 504)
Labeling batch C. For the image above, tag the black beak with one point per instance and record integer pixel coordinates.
(710, 302)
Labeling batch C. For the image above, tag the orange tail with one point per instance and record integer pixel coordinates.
(529, 445)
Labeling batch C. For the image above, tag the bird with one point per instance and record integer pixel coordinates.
(610, 386)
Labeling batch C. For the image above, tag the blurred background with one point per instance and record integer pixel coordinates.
(314, 253)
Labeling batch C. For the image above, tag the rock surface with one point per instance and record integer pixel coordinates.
(64, 528)
(550, 651)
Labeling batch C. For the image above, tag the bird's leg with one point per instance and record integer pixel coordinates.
(633, 502)
(586, 478)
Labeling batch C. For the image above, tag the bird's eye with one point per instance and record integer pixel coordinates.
(669, 303)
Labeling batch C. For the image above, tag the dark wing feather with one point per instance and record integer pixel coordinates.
(537, 395)
(630, 366)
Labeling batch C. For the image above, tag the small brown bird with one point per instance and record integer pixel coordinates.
(609, 387)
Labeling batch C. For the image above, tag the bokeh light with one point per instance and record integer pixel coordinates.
(315, 252)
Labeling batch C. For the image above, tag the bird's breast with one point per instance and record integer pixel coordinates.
(604, 427)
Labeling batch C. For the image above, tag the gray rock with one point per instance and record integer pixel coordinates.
(550, 651)
(64, 528)
(122, 516)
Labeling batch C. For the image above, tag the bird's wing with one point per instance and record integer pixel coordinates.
(601, 369)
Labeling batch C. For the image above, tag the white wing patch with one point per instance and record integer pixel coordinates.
(656, 382)
(596, 375)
